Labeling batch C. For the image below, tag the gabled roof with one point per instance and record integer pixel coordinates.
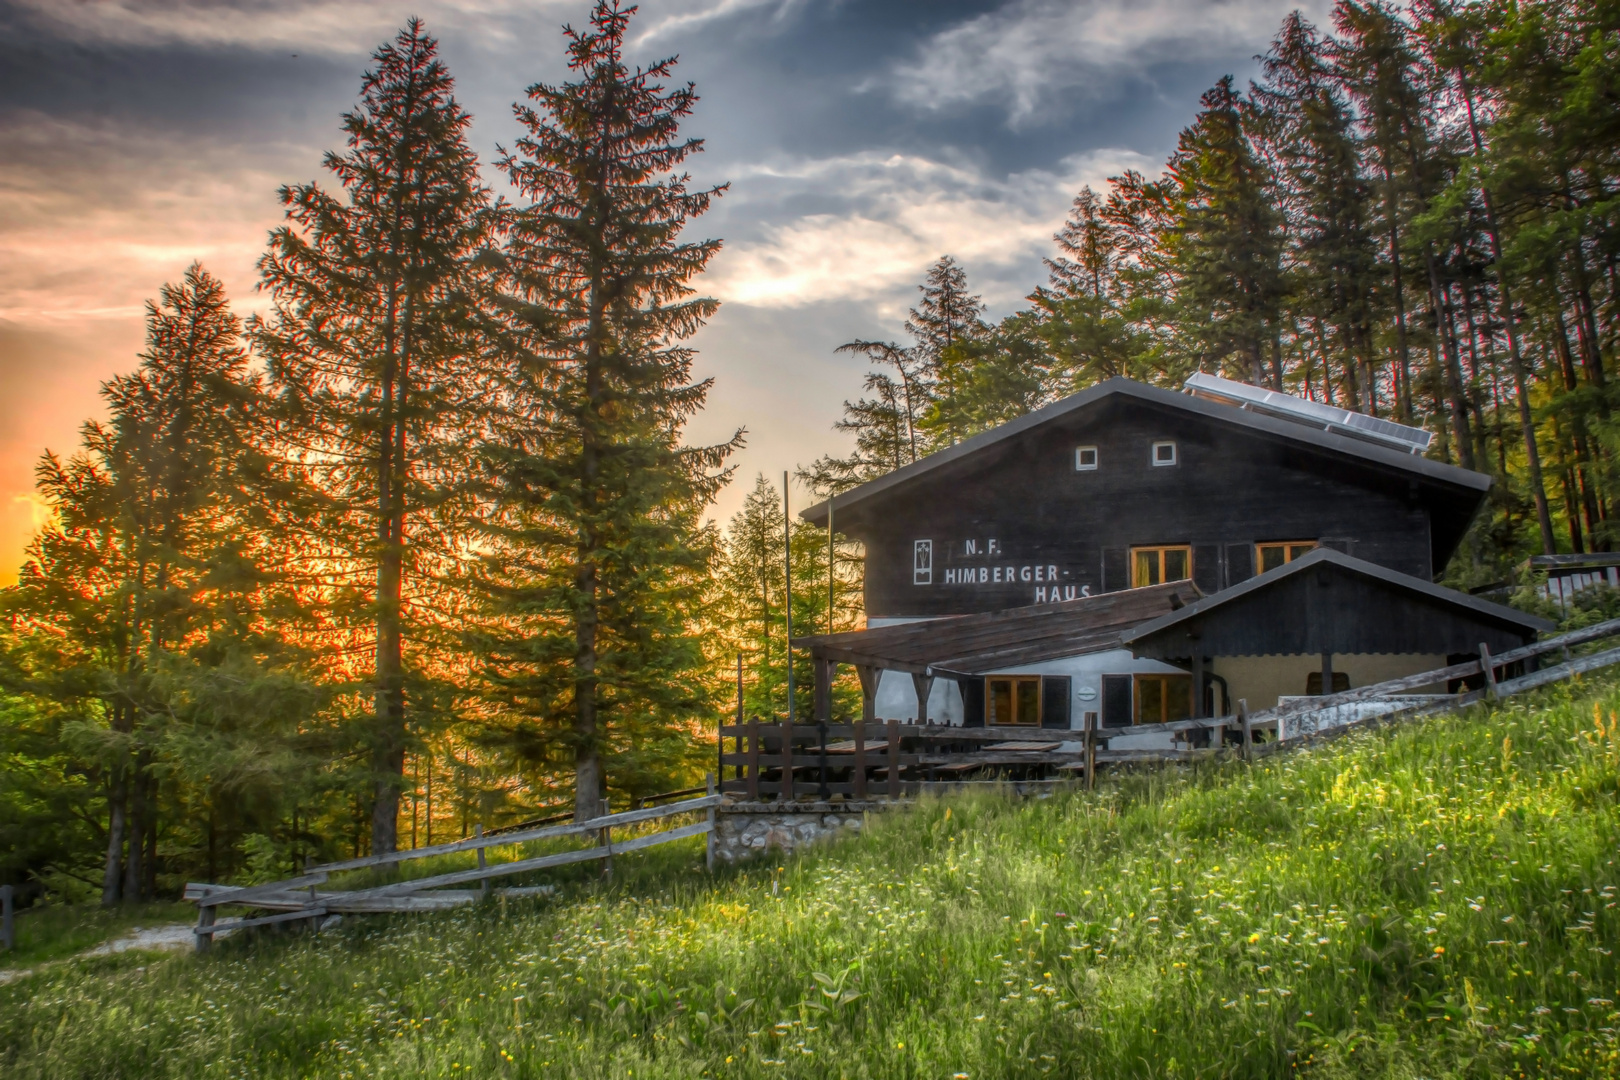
(974, 644)
(1419, 468)
(1461, 605)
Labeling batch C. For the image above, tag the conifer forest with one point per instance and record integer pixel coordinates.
(425, 544)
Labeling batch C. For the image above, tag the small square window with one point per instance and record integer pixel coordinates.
(1164, 453)
(1085, 458)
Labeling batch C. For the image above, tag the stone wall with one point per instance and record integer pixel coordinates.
(748, 830)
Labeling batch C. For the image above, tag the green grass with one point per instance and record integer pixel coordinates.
(56, 932)
(1434, 902)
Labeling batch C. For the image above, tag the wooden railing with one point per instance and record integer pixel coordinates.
(772, 760)
(300, 898)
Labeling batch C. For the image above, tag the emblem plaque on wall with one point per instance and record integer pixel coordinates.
(922, 562)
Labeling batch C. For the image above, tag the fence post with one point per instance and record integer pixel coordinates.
(858, 776)
(821, 732)
(607, 842)
(753, 760)
(8, 926)
(1488, 667)
(1248, 730)
(483, 886)
(894, 759)
(708, 854)
(1091, 751)
(786, 794)
(205, 920)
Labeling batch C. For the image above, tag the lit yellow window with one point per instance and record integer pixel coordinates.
(1163, 698)
(1270, 556)
(1013, 699)
(1156, 565)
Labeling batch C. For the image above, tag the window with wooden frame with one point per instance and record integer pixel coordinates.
(1277, 553)
(1156, 565)
(1161, 699)
(1085, 459)
(1012, 699)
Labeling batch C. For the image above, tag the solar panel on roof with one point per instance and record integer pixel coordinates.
(1313, 413)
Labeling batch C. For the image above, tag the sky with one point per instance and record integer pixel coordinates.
(861, 140)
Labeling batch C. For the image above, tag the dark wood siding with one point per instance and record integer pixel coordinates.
(1015, 524)
(1331, 610)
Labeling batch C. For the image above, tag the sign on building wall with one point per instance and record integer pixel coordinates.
(983, 563)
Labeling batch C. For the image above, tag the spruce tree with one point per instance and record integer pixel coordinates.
(590, 640)
(372, 349)
(1225, 245)
(148, 594)
(1311, 130)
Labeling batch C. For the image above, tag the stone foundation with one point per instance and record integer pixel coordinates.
(748, 830)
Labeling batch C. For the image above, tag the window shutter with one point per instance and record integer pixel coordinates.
(972, 702)
(1055, 702)
(1207, 568)
(1116, 569)
(1116, 701)
(1239, 563)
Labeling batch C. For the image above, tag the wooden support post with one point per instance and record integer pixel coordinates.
(858, 777)
(708, 850)
(607, 842)
(1248, 731)
(1091, 751)
(1488, 666)
(1198, 682)
(923, 685)
(894, 759)
(483, 886)
(8, 924)
(824, 675)
(753, 760)
(821, 783)
(1327, 679)
(205, 920)
(787, 762)
(869, 677)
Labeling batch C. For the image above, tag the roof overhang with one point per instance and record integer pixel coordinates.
(976, 644)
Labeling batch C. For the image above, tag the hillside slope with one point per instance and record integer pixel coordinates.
(1435, 902)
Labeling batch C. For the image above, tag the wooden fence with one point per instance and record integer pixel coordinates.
(300, 898)
(776, 761)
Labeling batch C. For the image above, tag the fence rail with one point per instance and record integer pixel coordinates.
(298, 897)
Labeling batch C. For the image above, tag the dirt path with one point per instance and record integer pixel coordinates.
(173, 937)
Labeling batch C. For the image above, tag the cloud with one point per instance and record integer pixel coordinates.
(318, 26)
(676, 18)
(94, 216)
(898, 214)
(1030, 55)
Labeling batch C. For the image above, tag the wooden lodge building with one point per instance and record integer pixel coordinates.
(1147, 555)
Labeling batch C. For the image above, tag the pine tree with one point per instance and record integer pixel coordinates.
(1089, 251)
(372, 351)
(1310, 127)
(1225, 245)
(144, 603)
(593, 598)
(887, 426)
(948, 314)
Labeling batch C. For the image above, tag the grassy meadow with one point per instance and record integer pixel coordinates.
(1438, 901)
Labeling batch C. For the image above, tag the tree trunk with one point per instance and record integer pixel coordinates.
(1527, 428)
(139, 808)
(588, 777)
(112, 873)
